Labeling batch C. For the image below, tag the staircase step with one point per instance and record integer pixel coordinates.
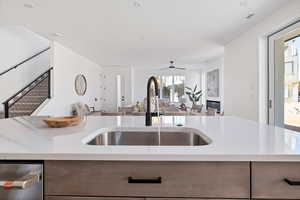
(41, 88)
(33, 99)
(37, 93)
(34, 96)
(26, 103)
(19, 113)
(44, 83)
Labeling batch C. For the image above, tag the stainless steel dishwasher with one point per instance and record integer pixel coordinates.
(21, 180)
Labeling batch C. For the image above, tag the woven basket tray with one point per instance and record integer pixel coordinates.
(60, 122)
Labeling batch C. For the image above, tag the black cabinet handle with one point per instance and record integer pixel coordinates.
(292, 182)
(147, 181)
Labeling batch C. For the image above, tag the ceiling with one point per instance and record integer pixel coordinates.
(139, 32)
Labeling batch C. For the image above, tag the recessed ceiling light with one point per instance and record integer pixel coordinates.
(136, 4)
(28, 5)
(250, 15)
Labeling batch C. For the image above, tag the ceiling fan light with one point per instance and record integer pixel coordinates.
(172, 64)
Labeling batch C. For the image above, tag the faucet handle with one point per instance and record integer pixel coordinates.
(154, 114)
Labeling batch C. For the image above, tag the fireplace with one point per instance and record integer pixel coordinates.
(213, 104)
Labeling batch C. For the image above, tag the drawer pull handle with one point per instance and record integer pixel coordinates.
(147, 181)
(292, 182)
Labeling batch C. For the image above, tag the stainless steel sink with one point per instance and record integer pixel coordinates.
(148, 137)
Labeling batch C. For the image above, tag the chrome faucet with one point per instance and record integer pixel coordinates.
(149, 114)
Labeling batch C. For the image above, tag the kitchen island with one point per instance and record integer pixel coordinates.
(239, 159)
(232, 139)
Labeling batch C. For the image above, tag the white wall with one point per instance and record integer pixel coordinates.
(16, 45)
(243, 62)
(67, 65)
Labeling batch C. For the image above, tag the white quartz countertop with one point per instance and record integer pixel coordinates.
(233, 139)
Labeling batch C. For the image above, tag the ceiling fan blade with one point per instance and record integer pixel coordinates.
(180, 68)
(163, 69)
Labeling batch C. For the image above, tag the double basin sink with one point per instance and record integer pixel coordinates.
(149, 137)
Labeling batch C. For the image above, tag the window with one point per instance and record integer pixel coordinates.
(289, 68)
(172, 88)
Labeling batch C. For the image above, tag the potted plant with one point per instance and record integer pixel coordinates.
(194, 97)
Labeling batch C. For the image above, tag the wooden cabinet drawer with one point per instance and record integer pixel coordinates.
(122, 198)
(268, 180)
(178, 179)
(88, 198)
(184, 199)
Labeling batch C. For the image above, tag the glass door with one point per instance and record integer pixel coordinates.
(284, 78)
(291, 83)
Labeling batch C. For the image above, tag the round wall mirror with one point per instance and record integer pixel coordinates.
(80, 85)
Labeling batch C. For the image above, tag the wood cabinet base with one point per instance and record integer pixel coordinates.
(148, 179)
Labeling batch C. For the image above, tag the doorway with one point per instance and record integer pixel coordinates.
(284, 78)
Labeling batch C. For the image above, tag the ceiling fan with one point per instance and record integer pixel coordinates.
(172, 66)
